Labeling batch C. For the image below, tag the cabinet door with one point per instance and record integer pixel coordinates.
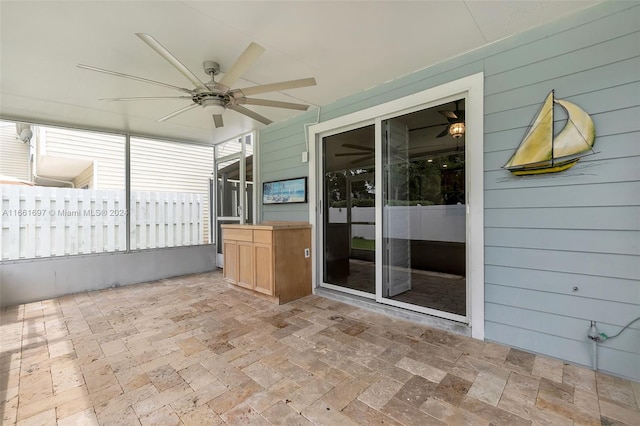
(245, 264)
(264, 268)
(230, 254)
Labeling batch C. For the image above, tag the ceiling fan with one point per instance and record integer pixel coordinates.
(215, 97)
(454, 118)
(366, 152)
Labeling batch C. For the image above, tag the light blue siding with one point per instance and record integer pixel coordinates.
(573, 328)
(595, 195)
(604, 77)
(585, 240)
(544, 235)
(554, 282)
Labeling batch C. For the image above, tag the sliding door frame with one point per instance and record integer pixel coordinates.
(472, 89)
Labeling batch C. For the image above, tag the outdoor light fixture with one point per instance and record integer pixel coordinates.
(213, 106)
(456, 130)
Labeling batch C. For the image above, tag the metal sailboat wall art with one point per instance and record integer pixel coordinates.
(543, 151)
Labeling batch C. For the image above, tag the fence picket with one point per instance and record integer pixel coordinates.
(44, 243)
(109, 238)
(28, 227)
(97, 242)
(142, 220)
(14, 224)
(170, 221)
(86, 221)
(57, 208)
(179, 220)
(151, 218)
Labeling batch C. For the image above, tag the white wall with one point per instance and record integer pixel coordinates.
(32, 280)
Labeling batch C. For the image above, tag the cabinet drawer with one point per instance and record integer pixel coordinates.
(261, 236)
(237, 234)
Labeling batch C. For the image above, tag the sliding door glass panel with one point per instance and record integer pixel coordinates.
(424, 216)
(349, 210)
(397, 241)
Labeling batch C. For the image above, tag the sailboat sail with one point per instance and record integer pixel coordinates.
(539, 152)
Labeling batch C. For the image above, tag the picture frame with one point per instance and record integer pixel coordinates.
(286, 191)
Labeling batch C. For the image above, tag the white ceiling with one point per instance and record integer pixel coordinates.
(347, 46)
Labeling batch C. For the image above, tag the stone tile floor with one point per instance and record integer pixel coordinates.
(189, 350)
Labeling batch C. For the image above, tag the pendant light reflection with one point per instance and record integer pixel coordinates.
(456, 130)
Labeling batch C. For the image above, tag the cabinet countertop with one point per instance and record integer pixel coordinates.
(268, 225)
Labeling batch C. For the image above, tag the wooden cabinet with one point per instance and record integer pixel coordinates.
(263, 255)
(230, 250)
(272, 259)
(245, 265)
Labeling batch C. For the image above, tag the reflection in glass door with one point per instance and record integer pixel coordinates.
(349, 211)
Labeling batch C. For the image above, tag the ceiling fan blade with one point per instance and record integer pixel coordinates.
(352, 146)
(217, 120)
(350, 154)
(269, 103)
(251, 114)
(448, 114)
(444, 133)
(246, 59)
(162, 51)
(133, 77)
(428, 127)
(360, 160)
(178, 112)
(276, 87)
(143, 98)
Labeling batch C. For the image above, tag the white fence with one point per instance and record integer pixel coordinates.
(43, 221)
(430, 223)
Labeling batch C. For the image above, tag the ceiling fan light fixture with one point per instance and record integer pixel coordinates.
(456, 130)
(213, 106)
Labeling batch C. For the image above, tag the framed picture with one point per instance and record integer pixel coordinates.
(285, 191)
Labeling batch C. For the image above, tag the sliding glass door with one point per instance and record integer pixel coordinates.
(414, 256)
(348, 261)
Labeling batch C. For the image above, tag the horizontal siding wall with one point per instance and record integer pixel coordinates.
(281, 151)
(560, 250)
(14, 154)
(104, 149)
(85, 179)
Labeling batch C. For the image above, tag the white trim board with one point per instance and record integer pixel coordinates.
(472, 88)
